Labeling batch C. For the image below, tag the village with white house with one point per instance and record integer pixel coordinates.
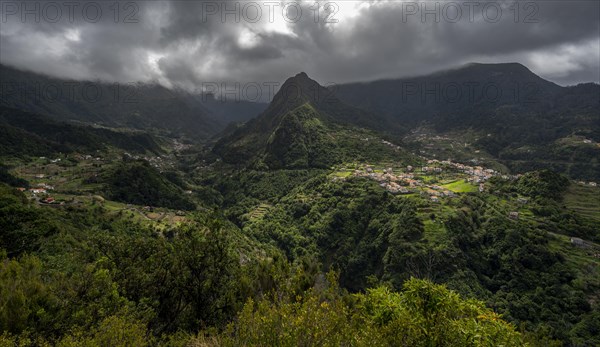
(437, 179)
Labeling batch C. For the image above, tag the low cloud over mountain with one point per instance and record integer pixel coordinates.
(189, 43)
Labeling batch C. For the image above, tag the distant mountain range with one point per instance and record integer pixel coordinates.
(27, 134)
(520, 119)
(471, 96)
(478, 87)
(524, 121)
(139, 105)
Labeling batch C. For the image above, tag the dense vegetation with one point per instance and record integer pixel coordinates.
(371, 236)
(25, 134)
(80, 268)
(305, 126)
(78, 274)
(91, 279)
(137, 182)
(423, 314)
(8, 178)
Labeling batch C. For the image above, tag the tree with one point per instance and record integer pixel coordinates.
(422, 314)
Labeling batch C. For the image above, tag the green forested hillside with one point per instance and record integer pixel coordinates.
(522, 120)
(148, 283)
(138, 183)
(305, 126)
(370, 235)
(27, 134)
(422, 314)
(94, 279)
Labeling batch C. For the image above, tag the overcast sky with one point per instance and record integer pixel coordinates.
(188, 43)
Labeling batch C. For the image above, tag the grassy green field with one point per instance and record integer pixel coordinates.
(342, 174)
(460, 186)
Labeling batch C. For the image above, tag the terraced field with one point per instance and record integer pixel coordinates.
(585, 200)
(258, 212)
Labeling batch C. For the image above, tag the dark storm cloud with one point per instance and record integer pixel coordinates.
(384, 43)
(90, 40)
(187, 43)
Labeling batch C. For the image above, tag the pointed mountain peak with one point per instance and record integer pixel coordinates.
(301, 81)
(298, 90)
(302, 78)
(301, 74)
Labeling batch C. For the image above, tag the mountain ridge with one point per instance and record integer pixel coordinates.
(302, 119)
(138, 105)
(521, 119)
(25, 133)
